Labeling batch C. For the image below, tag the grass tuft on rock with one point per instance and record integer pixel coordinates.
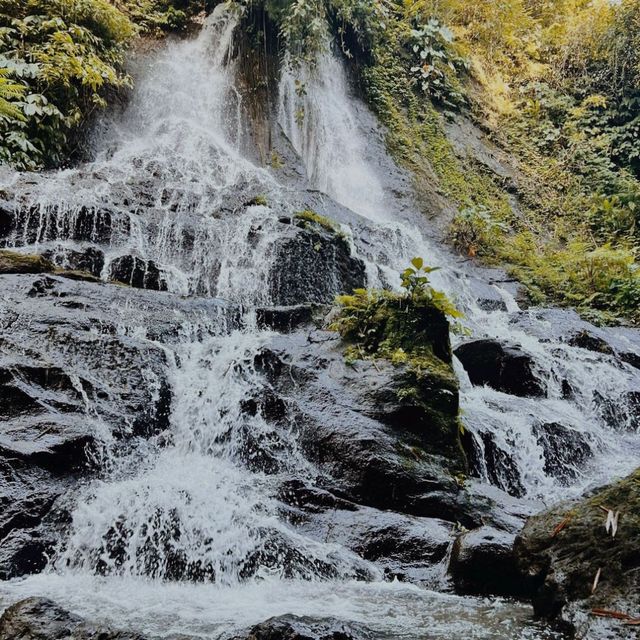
(14, 262)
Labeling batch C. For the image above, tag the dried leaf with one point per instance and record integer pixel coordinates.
(606, 613)
(560, 527)
(596, 580)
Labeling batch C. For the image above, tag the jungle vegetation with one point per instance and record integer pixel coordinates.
(554, 85)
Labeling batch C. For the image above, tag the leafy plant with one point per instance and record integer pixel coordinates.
(436, 64)
(10, 93)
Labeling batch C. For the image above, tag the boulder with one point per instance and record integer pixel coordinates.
(89, 260)
(622, 412)
(503, 367)
(136, 272)
(43, 619)
(483, 563)
(285, 319)
(291, 627)
(565, 450)
(375, 447)
(585, 576)
(407, 548)
(488, 459)
(313, 264)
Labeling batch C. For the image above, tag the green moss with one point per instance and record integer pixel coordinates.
(569, 544)
(13, 262)
(314, 218)
(411, 332)
(258, 201)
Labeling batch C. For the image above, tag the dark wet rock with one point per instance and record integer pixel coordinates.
(25, 225)
(90, 260)
(43, 619)
(408, 548)
(563, 548)
(565, 450)
(621, 412)
(138, 273)
(487, 458)
(13, 262)
(285, 319)
(311, 499)
(24, 552)
(313, 265)
(71, 380)
(27, 495)
(586, 340)
(503, 367)
(291, 627)
(483, 563)
(371, 453)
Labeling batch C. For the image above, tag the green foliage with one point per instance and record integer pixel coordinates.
(61, 61)
(396, 326)
(157, 16)
(436, 64)
(474, 232)
(10, 93)
(259, 200)
(67, 57)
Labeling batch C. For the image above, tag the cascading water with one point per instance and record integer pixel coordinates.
(184, 533)
(332, 144)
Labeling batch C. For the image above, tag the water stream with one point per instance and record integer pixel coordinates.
(199, 505)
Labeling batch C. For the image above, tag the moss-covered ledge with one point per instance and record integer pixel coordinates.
(410, 330)
(586, 576)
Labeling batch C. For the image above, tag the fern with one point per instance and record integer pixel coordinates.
(10, 92)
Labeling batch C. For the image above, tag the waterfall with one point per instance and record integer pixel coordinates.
(184, 533)
(323, 124)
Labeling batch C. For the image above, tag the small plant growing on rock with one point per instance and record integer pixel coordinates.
(307, 219)
(415, 279)
(404, 327)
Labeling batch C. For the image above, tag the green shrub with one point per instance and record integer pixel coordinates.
(67, 55)
(395, 325)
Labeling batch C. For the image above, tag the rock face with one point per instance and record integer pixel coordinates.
(503, 367)
(373, 452)
(564, 549)
(565, 449)
(482, 562)
(42, 619)
(313, 264)
(73, 384)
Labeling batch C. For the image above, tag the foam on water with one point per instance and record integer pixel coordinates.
(391, 610)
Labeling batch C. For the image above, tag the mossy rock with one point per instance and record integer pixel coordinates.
(77, 274)
(410, 335)
(14, 262)
(309, 218)
(565, 547)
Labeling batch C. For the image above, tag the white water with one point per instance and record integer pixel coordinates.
(201, 506)
(341, 166)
